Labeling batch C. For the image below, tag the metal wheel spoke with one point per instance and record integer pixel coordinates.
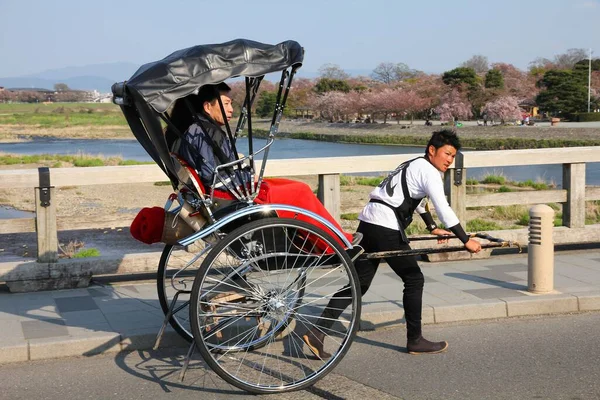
(251, 331)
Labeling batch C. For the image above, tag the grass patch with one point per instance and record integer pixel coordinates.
(535, 185)
(349, 216)
(64, 120)
(41, 108)
(504, 189)
(86, 253)
(61, 115)
(134, 162)
(472, 181)
(523, 220)
(417, 227)
(58, 160)
(369, 181)
(88, 162)
(480, 225)
(494, 179)
(592, 212)
(346, 180)
(509, 213)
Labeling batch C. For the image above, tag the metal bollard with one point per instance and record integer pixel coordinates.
(540, 257)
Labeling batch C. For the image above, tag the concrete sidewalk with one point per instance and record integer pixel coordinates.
(119, 317)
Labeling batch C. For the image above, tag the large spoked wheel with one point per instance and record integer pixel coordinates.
(258, 291)
(177, 269)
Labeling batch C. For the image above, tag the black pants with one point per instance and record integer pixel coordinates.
(377, 238)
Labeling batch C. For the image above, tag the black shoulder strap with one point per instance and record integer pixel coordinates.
(403, 178)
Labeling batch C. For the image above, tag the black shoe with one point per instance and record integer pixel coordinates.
(424, 346)
(356, 238)
(315, 340)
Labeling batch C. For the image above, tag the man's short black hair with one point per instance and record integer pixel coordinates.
(442, 138)
(211, 92)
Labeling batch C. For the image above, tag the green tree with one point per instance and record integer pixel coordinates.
(494, 79)
(478, 63)
(61, 87)
(563, 91)
(584, 65)
(459, 76)
(266, 104)
(387, 72)
(332, 71)
(329, 85)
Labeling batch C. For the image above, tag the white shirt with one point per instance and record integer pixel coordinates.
(423, 180)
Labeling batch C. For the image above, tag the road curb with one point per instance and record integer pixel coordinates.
(108, 342)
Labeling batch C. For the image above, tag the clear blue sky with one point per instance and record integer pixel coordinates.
(429, 35)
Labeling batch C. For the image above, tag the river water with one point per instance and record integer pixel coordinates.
(289, 148)
(281, 149)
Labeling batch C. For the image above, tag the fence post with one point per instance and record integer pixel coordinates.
(329, 194)
(574, 184)
(45, 219)
(456, 188)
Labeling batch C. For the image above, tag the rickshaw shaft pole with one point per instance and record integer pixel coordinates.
(418, 252)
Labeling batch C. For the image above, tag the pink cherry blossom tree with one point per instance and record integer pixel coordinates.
(333, 106)
(517, 83)
(408, 102)
(504, 108)
(453, 105)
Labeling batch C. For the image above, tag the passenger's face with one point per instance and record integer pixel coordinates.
(441, 158)
(214, 110)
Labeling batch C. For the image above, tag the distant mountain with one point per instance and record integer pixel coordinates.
(118, 71)
(98, 77)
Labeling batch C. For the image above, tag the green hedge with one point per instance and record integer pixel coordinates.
(586, 117)
(472, 143)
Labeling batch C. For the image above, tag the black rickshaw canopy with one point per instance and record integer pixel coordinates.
(154, 87)
(181, 73)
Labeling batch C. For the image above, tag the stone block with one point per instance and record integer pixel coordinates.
(16, 352)
(41, 349)
(541, 304)
(466, 312)
(589, 302)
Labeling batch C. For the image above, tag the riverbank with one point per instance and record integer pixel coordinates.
(404, 133)
(26, 133)
(497, 137)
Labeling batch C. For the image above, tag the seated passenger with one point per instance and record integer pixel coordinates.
(205, 151)
(206, 146)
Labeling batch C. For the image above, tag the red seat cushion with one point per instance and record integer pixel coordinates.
(294, 193)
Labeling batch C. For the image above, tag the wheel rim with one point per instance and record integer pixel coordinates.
(250, 329)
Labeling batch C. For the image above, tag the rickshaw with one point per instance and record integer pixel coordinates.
(247, 284)
(242, 281)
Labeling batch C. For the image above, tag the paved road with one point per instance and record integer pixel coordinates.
(525, 358)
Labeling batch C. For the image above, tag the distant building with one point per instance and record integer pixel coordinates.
(44, 94)
(530, 107)
(61, 96)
